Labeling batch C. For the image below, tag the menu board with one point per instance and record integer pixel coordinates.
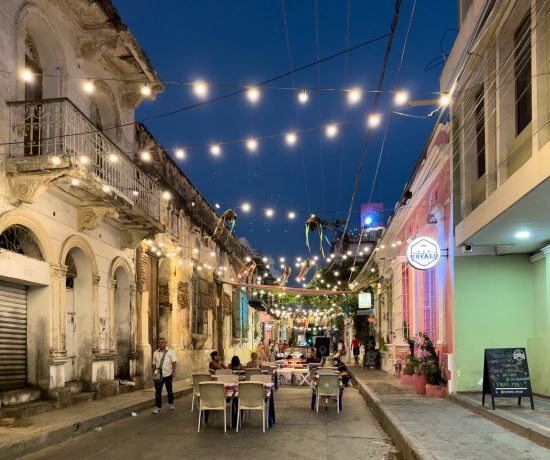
(371, 358)
(506, 374)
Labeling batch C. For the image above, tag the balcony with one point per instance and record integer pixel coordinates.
(53, 144)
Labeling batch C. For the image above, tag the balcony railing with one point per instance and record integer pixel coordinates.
(56, 127)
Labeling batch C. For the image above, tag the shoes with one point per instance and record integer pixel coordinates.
(171, 407)
(157, 410)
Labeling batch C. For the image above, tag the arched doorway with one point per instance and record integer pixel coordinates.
(79, 326)
(123, 319)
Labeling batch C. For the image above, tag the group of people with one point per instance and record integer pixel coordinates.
(235, 363)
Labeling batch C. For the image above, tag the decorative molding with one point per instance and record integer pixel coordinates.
(143, 273)
(226, 304)
(183, 295)
(131, 239)
(58, 271)
(58, 357)
(28, 188)
(89, 217)
(96, 279)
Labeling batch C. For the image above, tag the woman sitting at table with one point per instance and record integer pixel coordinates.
(312, 358)
(215, 362)
(235, 364)
(254, 362)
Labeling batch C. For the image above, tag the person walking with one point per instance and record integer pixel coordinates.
(356, 347)
(164, 369)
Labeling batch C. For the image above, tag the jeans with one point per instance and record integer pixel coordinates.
(158, 391)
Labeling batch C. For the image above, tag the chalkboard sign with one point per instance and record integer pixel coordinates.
(372, 358)
(506, 374)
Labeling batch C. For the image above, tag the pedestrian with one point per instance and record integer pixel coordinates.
(164, 369)
(356, 347)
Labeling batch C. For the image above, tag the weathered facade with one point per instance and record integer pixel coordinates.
(96, 262)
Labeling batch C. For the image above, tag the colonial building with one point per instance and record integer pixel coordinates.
(497, 77)
(101, 251)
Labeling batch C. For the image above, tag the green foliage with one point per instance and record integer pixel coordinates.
(429, 363)
(411, 364)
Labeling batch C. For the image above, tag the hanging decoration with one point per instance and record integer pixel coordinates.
(312, 224)
(286, 275)
(304, 270)
(227, 220)
(246, 270)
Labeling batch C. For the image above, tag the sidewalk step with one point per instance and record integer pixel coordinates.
(28, 409)
(84, 397)
(20, 396)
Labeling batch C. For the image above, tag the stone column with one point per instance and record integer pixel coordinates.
(58, 351)
(112, 328)
(95, 302)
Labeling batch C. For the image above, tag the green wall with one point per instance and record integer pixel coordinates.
(493, 308)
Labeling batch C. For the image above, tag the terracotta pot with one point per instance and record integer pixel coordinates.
(406, 379)
(419, 382)
(435, 391)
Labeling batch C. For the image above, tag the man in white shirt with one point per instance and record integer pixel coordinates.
(164, 363)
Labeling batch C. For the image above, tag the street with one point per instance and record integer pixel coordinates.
(299, 433)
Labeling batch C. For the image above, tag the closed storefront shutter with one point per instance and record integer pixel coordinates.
(13, 336)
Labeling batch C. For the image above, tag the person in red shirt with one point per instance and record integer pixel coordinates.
(356, 347)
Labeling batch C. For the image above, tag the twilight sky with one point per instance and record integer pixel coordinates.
(243, 42)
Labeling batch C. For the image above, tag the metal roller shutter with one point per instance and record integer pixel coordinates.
(13, 336)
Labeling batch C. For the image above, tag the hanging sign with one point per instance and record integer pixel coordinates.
(365, 300)
(423, 253)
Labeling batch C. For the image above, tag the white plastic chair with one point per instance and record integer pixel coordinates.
(198, 378)
(328, 385)
(251, 397)
(212, 398)
(326, 372)
(224, 372)
(263, 378)
(228, 379)
(250, 372)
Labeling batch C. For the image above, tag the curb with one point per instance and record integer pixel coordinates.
(407, 445)
(534, 436)
(41, 440)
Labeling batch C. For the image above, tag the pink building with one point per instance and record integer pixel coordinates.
(414, 260)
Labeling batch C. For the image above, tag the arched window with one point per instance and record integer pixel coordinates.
(19, 239)
(71, 272)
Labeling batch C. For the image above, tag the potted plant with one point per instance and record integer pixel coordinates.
(410, 363)
(435, 382)
(419, 377)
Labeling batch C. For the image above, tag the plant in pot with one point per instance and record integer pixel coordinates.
(419, 376)
(410, 363)
(435, 382)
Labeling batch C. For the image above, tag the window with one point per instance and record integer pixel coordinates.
(240, 315)
(405, 301)
(429, 303)
(244, 314)
(19, 239)
(479, 111)
(522, 72)
(199, 311)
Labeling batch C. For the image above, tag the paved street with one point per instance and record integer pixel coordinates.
(299, 434)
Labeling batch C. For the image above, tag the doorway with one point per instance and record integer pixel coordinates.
(123, 318)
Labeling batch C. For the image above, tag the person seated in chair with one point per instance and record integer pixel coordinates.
(235, 364)
(254, 361)
(215, 362)
(312, 358)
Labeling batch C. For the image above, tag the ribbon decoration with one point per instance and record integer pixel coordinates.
(286, 275)
(246, 270)
(312, 224)
(227, 220)
(304, 270)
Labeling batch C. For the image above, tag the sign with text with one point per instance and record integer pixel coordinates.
(365, 300)
(365, 312)
(423, 253)
(506, 374)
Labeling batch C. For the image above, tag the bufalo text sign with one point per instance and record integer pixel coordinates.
(506, 374)
(423, 253)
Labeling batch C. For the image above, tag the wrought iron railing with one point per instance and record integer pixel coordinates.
(56, 127)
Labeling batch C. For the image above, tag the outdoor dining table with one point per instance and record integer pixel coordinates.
(314, 387)
(232, 392)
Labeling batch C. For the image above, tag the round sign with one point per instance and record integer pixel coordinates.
(423, 253)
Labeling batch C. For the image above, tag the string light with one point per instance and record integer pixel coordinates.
(291, 138)
(401, 98)
(106, 188)
(253, 95)
(84, 160)
(291, 215)
(75, 182)
(180, 154)
(146, 90)
(145, 156)
(269, 212)
(281, 259)
(135, 193)
(444, 100)
(331, 130)
(246, 207)
(200, 89)
(374, 120)
(303, 96)
(56, 160)
(27, 75)
(354, 95)
(215, 150)
(166, 195)
(252, 145)
(88, 87)
(217, 206)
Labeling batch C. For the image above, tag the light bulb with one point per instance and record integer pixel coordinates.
(354, 95)
(56, 160)
(200, 88)
(444, 100)
(269, 212)
(75, 182)
(145, 156)
(166, 195)
(146, 90)
(27, 75)
(331, 130)
(401, 97)
(253, 95)
(215, 150)
(180, 154)
(84, 160)
(217, 206)
(106, 188)
(113, 158)
(374, 120)
(252, 145)
(291, 215)
(88, 87)
(291, 138)
(135, 193)
(246, 207)
(303, 96)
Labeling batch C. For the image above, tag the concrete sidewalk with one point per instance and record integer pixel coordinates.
(435, 428)
(42, 430)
